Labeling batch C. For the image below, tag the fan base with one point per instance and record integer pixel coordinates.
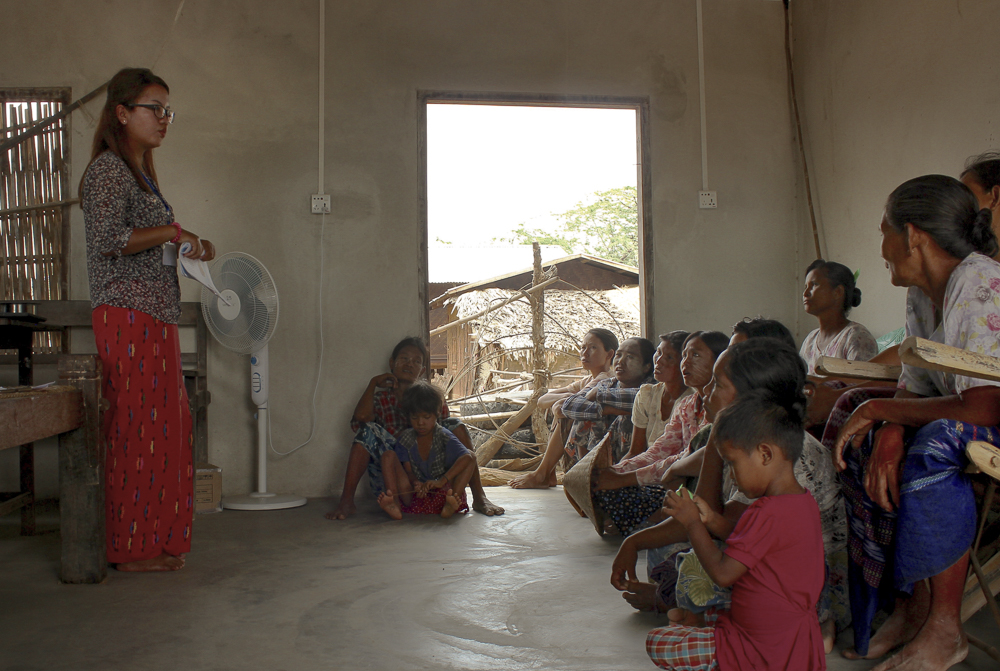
(263, 501)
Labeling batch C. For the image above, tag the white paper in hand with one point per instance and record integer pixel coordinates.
(197, 270)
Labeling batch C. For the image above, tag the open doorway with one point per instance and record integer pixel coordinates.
(502, 171)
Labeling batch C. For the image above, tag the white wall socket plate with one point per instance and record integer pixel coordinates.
(707, 200)
(320, 203)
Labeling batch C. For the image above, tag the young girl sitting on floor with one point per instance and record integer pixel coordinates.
(773, 559)
(428, 461)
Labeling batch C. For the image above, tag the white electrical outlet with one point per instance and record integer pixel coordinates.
(320, 203)
(707, 200)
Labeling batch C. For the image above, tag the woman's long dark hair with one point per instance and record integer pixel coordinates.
(716, 341)
(607, 338)
(771, 367)
(123, 89)
(676, 340)
(985, 168)
(762, 327)
(946, 210)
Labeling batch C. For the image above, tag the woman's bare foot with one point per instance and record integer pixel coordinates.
(483, 505)
(343, 510)
(641, 595)
(388, 502)
(829, 631)
(451, 505)
(532, 480)
(938, 646)
(164, 562)
(685, 617)
(900, 628)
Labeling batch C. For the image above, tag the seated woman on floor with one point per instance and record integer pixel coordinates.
(686, 469)
(631, 491)
(596, 354)
(654, 404)
(428, 469)
(760, 364)
(606, 408)
(829, 295)
(902, 460)
(377, 419)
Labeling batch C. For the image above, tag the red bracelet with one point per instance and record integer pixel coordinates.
(178, 227)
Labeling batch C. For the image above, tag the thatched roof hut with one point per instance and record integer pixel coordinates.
(569, 314)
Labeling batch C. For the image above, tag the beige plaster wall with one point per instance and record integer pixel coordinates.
(240, 163)
(889, 91)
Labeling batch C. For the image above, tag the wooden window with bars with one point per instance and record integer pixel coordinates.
(34, 201)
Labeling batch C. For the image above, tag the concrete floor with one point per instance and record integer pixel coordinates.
(288, 590)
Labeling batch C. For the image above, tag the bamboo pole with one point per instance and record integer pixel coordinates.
(538, 364)
(466, 320)
(486, 451)
(487, 392)
(488, 417)
(41, 206)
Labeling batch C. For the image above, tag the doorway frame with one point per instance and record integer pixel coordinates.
(643, 177)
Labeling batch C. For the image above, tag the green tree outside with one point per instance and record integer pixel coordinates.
(608, 227)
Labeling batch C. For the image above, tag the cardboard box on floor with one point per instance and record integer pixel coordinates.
(207, 488)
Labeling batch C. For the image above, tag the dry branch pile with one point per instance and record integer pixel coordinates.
(569, 314)
(503, 343)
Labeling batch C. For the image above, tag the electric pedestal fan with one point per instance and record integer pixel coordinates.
(244, 326)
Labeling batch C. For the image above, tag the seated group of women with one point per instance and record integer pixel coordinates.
(887, 476)
(898, 511)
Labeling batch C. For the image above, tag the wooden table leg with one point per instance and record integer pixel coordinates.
(28, 487)
(25, 378)
(81, 478)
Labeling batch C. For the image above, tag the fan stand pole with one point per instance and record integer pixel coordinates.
(262, 448)
(262, 499)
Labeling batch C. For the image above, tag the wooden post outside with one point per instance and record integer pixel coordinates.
(539, 367)
(81, 478)
(488, 449)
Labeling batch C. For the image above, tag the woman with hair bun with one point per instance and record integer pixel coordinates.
(982, 176)
(829, 295)
(902, 459)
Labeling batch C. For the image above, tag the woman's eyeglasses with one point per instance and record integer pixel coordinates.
(159, 111)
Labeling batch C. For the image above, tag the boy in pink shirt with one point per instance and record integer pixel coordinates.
(773, 559)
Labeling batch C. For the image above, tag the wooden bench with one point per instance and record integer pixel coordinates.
(861, 370)
(71, 411)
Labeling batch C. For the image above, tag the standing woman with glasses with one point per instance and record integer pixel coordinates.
(132, 242)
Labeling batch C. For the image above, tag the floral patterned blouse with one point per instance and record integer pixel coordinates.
(113, 205)
(970, 321)
(854, 342)
(686, 419)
